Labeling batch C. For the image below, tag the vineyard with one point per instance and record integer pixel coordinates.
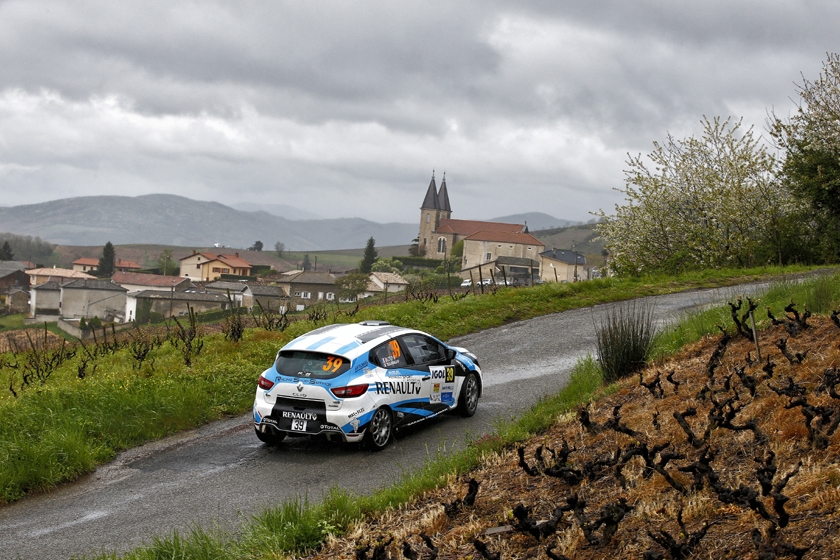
(712, 454)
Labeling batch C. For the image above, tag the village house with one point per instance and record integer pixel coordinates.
(500, 255)
(45, 301)
(140, 305)
(88, 298)
(563, 265)
(385, 283)
(207, 267)
(11, 279)
(17, 301)
(308, 288)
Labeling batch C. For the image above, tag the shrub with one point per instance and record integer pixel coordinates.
(625, 337)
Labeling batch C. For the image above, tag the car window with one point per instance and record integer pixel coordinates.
(299, 363)
(423, 349)
(389, 355)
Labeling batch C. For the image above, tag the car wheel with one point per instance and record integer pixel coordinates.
(270, 437)
(468, 400)
(380, 429)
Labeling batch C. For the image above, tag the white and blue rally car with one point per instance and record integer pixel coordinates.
(363, 381)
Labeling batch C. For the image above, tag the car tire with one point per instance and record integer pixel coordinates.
(270, 437)
(380, 430)
(468, 399)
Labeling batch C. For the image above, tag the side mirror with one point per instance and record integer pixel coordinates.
(450, 354)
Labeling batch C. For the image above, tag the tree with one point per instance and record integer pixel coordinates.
(351, 285)
(257, 246)
(166, 264)
(306, 265)
(280, 248)
(369, 257)
(811, 141)
(387, 265)
(106, 261)
(457, 249)
(6, 253)
(709, 202)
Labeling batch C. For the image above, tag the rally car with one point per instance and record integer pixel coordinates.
(361, 382)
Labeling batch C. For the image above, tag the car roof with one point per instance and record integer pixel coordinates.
(348, 340)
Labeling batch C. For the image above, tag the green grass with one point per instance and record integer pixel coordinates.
(9, 322)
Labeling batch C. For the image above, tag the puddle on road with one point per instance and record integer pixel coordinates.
(554, 366)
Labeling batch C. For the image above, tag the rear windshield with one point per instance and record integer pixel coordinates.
(300, 363)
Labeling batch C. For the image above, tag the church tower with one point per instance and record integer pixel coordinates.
(435, 208)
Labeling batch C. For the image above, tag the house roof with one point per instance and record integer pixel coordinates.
(222, 286)
(87, 261)
(182, 296)
(263, 290)
(16, 265)
(505, 237)
(120, 263)
(51, 285)
(564, 255)
(86, 284)
(389, 278)
(233, 261)
(469, 227)
(58, 273)
(142, 279)
(311, 278)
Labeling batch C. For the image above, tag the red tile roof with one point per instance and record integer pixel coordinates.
(505, 237)
(139, 279)
(87, 261)
(119, 263)
(469, 227)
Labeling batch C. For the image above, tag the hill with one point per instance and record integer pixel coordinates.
(175, 220)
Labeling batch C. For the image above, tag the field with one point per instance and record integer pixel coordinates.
(716, 455)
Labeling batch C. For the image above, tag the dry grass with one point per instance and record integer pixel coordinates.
(813, 492)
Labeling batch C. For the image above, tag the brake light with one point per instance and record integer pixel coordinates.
(350, 391)
(265, 383)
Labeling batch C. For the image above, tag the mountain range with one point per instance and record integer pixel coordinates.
(176, 220)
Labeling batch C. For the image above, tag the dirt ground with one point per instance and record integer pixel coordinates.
(718, 456)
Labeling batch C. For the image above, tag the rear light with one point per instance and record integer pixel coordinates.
(350, 391)
(265, 383)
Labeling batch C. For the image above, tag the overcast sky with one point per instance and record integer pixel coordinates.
(344, 108)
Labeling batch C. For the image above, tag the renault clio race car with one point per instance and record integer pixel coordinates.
(361, 382)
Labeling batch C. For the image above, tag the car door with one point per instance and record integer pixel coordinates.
(431, 359)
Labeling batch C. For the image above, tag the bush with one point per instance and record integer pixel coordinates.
(625, 338)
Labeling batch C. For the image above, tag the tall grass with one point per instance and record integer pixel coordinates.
(624, 339)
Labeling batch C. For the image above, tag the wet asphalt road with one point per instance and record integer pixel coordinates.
(221, 474)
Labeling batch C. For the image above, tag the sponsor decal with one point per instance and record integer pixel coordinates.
(354, 423)
(303, 374)
(448, 387)
(443, 373)
(447, 397)
(354, 414)
(435, 396)
(300, 415)
(299, 394)
(330, 428)
(320, 383)
(400, 414)
(389, 361)
(398, 387)
(270, 421)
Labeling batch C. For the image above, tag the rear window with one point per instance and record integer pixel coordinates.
(300, 363)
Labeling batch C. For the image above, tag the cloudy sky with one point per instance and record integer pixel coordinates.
(344, 108)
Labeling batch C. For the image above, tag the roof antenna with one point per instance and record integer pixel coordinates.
(433, 173)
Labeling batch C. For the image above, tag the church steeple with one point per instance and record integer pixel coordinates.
(431, 200)
(443, 196)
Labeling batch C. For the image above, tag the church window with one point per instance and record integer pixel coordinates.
(489, 256)
(428, 217)
(442, 245)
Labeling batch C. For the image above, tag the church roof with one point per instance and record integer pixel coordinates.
(469, 227)
(505, 237)
(431, 200)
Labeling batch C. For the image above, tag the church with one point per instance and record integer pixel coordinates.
(484, 242)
